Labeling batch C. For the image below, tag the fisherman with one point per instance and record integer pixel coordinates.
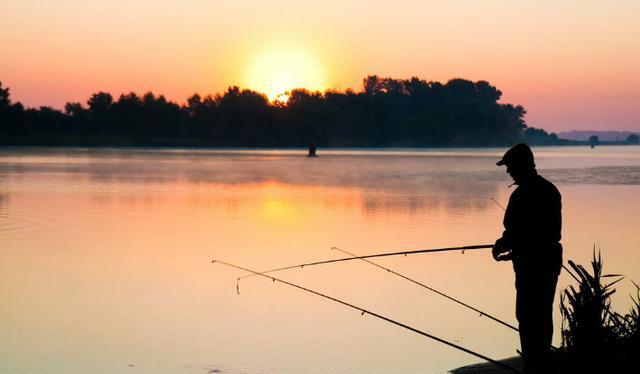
(531, 240)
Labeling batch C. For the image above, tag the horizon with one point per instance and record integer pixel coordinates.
(573, 66)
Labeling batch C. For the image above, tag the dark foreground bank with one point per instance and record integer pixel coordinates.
(488, 368)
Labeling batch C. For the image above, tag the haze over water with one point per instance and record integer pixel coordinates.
(105, 255)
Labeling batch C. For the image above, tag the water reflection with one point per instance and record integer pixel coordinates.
(118, 243)
(3, 217)
(410, 184)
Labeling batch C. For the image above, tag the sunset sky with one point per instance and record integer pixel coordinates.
(571, 64)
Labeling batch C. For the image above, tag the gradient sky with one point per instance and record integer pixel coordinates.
(571, 64)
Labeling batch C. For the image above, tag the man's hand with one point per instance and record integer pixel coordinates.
(500, 252)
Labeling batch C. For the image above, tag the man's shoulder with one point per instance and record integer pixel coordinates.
(547, 186)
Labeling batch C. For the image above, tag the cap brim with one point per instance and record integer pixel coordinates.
(500, 163)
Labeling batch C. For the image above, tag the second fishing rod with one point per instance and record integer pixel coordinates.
(387, 254)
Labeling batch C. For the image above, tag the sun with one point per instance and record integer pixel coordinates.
(276, 71)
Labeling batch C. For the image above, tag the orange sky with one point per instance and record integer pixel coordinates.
(572, 64)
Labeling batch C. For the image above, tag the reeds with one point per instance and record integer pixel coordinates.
(632, 319)
(594, 336)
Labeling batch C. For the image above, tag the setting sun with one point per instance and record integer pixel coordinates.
(276, 71)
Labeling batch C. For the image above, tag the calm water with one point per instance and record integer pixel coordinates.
(105, 255)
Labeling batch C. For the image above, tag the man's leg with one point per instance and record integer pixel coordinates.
(534, 310)
(524, 309)
(547, 296)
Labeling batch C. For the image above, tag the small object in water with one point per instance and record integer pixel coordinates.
(312, 150)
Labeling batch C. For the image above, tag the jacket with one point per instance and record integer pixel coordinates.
(533, 224)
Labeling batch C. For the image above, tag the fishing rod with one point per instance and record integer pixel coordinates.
(482, 314)
(387, 254)
(500, 205)
(379, 316)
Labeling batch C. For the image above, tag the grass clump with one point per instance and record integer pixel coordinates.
(594, 336)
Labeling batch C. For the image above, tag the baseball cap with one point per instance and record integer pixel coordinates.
(519, 154)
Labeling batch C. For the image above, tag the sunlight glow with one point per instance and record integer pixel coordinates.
(280, 210)
(276, 71)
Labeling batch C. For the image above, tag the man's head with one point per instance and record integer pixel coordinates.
(519, 162)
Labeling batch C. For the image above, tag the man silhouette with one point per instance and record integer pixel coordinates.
(531, 240)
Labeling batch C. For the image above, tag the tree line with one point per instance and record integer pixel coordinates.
(385, 112)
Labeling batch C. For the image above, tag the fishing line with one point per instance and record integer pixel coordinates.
(366, 311)
(482, 314)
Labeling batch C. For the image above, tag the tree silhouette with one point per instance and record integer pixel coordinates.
(4, 97)
(533, 135)
(633, 139)
(74, 109)
(12, 121)
(100, 102)
(386, 112)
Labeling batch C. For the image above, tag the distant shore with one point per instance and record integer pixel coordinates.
(191, 145)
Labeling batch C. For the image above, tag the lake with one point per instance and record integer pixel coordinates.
(105, 255)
